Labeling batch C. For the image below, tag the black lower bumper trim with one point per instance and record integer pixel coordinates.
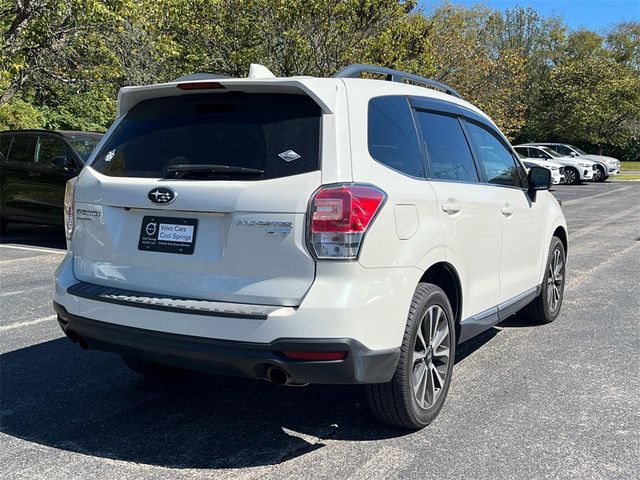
(226, 357)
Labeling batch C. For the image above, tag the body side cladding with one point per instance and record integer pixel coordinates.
(477, 324)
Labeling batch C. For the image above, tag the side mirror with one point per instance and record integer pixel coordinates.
(573, 154)
(539, 179)
(63, 162)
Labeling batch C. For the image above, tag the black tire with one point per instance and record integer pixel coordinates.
(543, 309)
(155, 371)
(600, 175)
(571, 176)
(394, 402)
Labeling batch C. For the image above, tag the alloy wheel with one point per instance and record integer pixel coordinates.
(555, 279)
(599, 175)
(431, 357)
(571, 177)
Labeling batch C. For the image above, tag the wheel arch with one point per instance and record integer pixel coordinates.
(445, 276)
(561, 233)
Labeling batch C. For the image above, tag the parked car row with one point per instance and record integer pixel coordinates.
(579, 166)
(36, 164)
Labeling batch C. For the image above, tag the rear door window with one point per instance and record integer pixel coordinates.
(278, 134)
(495, 157)
(5, 143)
(537, 153)
(23, 148)
(50, 148)
(523, 151)
(447, 148)
(561, 149)
(392, 136)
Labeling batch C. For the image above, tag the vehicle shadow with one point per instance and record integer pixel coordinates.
(58, 395)
(34, 236)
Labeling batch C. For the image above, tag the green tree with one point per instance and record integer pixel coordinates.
(58, 57)
(488, 74)
(291, 37)
(623, 41)
(592, 100)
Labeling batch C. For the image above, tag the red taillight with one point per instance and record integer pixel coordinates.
(340, 215)
(200, 86)
(317, 356)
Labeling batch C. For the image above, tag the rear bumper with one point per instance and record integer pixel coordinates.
(235, 358)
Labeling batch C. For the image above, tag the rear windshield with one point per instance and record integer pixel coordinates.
(276, 133)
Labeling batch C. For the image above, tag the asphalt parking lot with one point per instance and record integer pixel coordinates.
(554, 401)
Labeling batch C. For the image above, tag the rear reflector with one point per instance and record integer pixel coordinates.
(340, 216)
(310, 356)
(200, 86)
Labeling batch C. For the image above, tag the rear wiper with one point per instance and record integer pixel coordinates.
(210, 171)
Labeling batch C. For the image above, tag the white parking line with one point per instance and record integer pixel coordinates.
(18, 292)
(30, 258)
(573, 235)
(571, 202)
(34, 249)
(13, 326)
(577, 280)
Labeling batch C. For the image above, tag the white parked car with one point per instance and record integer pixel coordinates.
(307, 230)
(557, 170)
(576, 170)
(607, 166)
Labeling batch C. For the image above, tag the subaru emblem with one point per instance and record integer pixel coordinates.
(162, 195)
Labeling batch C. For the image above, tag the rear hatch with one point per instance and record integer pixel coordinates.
(204, 196)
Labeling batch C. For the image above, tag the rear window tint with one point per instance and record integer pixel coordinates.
(5, 142)
(447, 148)
(277, 133)
(392, 136)
(22, 149)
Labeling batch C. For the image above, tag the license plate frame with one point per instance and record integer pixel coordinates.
(176, 232)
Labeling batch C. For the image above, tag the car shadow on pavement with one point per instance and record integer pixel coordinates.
(58, 395)
(34, 236)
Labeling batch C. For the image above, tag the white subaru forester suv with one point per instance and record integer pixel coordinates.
(307, 230)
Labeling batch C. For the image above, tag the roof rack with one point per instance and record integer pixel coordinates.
(200, 76)
(354, 71)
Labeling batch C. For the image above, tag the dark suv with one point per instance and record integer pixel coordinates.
(34, 168)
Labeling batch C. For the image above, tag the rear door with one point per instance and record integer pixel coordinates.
(203, 196)
(468, 209)
(54, 165)
(18, 176)
(523, 223)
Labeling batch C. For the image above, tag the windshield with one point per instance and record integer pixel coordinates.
(83, 144)
(580, 151)
(550, 151)
(277, 134)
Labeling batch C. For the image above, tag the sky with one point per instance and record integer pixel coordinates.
(592, 14)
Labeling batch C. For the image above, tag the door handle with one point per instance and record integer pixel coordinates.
(34, 174)
(451, 206)
(507, 210)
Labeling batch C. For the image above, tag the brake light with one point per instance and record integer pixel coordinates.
(200, 86)
(340, 216)
(69, 209)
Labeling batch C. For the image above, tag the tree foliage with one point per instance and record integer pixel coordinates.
(63, 61)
